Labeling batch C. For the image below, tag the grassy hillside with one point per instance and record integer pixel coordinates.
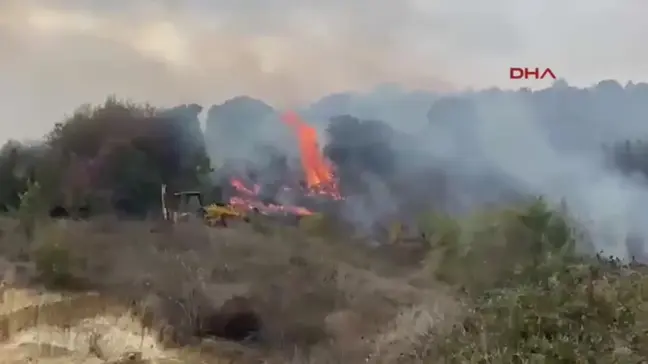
(502, 286)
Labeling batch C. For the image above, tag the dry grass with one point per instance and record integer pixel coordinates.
(501, 287)
(319, 301)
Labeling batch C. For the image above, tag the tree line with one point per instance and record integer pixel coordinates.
(107, 158)
(114, 157)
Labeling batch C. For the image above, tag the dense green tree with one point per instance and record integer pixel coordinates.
(115, 155)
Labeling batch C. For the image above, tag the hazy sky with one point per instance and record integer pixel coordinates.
(57, 54)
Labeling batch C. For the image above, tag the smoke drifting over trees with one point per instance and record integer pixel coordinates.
(568, 144)
(585, 147)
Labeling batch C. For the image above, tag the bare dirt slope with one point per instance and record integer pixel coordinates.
(82, 328)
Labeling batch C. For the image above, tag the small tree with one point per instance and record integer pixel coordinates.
(31, 208)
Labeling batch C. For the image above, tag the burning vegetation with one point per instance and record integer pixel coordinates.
(319, 181)
(513, 278)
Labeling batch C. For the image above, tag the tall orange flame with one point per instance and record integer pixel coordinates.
(318, 171)
(320, 178)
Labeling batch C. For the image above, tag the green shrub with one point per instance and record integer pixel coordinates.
(319, 225)
(496, 248)
(30, 209)
(576, 314)
(56, 265)
(533, 299)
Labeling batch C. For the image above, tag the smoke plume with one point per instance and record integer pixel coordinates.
(477, 148)
(57, 54)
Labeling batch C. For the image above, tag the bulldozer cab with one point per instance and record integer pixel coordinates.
(183, 204)
(189, 202)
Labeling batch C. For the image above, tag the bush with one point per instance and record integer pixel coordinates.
(533, 299)
(573, 314)
(315, 224)
(31, 208)
(497, 248)
(56, 265)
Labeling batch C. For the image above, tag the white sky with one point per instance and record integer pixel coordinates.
(57, 54)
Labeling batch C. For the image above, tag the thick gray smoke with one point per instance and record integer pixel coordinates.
(57, 54)
(494, 146)
(479, 148)
(511, 139)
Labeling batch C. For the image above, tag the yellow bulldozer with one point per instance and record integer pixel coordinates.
(188, 205)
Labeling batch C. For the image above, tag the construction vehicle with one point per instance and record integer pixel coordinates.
(188, 205)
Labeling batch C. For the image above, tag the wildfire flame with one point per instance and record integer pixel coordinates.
(319, 174)
(240, 187)
(250, 204)
(320, 178)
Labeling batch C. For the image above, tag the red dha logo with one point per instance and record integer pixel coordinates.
(516, 73)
